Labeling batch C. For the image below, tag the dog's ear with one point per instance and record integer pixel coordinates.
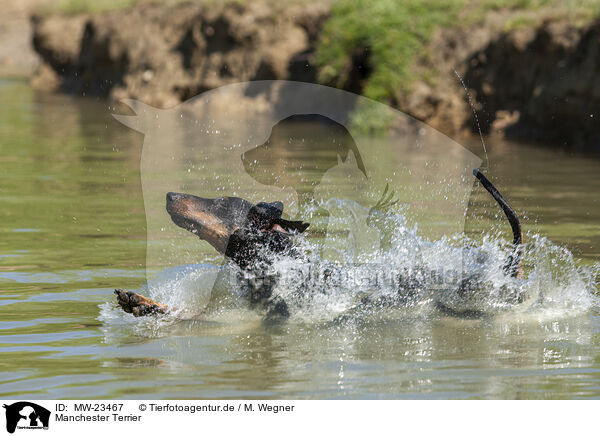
(268, 216)
(286, 225)
(262, 215)
(277, 205)
(293, 226)
(270, 211)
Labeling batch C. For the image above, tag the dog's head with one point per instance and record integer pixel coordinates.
(243, 231)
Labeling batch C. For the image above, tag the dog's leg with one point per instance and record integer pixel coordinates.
(137, 304)
(277, 310)
(259, 290)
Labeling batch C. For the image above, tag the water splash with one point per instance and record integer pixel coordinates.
(394, 271)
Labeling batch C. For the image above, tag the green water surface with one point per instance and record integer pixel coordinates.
(72, 228)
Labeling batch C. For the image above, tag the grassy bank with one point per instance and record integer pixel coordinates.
(394, 33)
(389, 34)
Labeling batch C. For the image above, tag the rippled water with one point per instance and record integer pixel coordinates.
(73, 228)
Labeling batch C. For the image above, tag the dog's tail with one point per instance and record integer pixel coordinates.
(513, 264)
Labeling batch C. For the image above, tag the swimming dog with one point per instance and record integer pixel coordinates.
(247, 234)
(250, 235)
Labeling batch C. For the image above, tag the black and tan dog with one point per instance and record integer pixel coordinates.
(250, 235)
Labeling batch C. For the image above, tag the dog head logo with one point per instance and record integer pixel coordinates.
(289, 153)
(26, 415)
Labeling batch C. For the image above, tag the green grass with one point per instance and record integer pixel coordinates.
(578, 6)
(72, 7)
(396, 32)
(393, 32)
(518, 22)
(528, 13)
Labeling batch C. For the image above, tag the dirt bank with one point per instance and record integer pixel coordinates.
(163, 56)
(532, 82)
(541, 83)
(17, 57)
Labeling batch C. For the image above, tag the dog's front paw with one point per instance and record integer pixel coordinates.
(137, 304)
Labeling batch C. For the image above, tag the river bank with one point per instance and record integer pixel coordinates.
(530, 70)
